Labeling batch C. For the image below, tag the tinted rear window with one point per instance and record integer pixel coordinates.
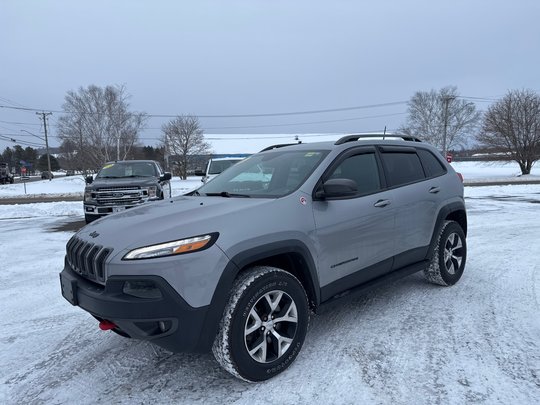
(402, 168)
(432, 166)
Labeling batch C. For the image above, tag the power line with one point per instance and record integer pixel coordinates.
(28, 109)
(11, 102)
(26, 143)
(303, 112)
(260, 126)
(19, 123)
(266, 136)
(273, 114)
(307, 123)
(479, 99)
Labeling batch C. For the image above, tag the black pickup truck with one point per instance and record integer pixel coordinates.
(5, 175)
(124, 184)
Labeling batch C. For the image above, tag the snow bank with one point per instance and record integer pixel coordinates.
(74, 186)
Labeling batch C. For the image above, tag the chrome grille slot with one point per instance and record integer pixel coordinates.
(120, 195)
(87, 259)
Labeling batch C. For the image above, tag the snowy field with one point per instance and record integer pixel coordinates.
(406, 343)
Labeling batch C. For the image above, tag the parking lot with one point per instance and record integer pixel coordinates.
(410, 342)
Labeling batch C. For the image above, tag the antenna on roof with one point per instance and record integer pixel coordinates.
(384, 133)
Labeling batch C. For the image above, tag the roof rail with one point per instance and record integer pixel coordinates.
(281, 145)
(352, 138)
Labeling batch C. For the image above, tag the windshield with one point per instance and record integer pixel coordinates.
(218, 166)
(127, 169)
(267, 175)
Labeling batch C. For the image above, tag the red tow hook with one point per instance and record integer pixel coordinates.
(106, 325)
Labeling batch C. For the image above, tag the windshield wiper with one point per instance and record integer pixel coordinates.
(227, 194)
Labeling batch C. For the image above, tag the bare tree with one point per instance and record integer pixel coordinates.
(441, 118)
(512, 125)
(98, 121)
(184, 138)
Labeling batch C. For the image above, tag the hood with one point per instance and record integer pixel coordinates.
(168, 220)
(122, 182)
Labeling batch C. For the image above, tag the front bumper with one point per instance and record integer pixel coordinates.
(101, 210)
(167, 321)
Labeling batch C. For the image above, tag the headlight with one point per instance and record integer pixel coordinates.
(176, 247)
(87, 195)
(152, 192)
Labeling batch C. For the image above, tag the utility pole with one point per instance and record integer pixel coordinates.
(43, 116)
(446, 100)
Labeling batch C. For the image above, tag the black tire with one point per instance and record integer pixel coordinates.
(256, 351)
(449, 257)
(89, 218)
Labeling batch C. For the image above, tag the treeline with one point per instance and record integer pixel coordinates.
(34, 161)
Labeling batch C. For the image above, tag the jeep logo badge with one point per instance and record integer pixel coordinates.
(94, 234)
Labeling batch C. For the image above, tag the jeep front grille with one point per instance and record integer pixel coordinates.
(87, 259)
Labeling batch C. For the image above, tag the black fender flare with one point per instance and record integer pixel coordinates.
(240, 262)
(444, 212)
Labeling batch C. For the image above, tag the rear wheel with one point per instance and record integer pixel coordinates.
(89, 218)
(264, 324)
(448, 262)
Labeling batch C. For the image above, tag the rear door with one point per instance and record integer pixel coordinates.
(355, 234)
(415, 201)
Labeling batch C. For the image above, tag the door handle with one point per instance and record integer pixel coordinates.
(434, 190)
(381, 203)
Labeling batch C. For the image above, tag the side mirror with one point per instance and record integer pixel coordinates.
(335, 188)
(199, 172)
(166, 176)
(89, 179)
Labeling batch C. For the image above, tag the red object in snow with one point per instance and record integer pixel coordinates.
(106, 325)
(449, 157)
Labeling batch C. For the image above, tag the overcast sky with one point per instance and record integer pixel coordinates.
(259, 57)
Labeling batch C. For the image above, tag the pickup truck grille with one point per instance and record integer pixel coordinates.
(120, 195)
(87, 259)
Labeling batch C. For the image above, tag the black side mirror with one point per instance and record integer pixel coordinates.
(166, 176)
(89, 179)
(199, 172)
(335, 188)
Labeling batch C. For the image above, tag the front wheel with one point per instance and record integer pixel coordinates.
(264, 324)
(89, 218)
(448, 262)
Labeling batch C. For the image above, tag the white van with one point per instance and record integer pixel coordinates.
(217, 165)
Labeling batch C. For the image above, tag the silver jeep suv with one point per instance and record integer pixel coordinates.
(239, 265)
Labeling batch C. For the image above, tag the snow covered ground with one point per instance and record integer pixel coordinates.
(406, 343)
(481, 172)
